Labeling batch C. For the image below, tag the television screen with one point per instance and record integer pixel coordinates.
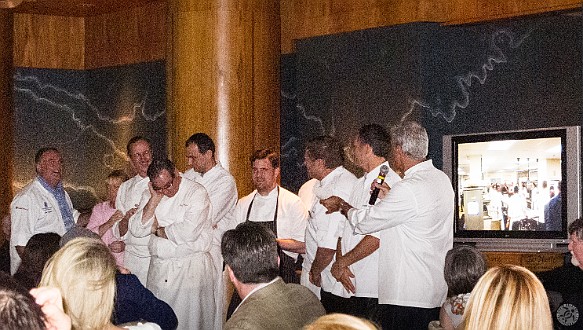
(515, 185)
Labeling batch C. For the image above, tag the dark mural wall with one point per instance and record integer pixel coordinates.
(503, 75)
(88, 115)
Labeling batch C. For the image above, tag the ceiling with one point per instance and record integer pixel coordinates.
(508, 155)
(75, 8)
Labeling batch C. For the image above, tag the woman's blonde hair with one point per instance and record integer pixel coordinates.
(337, 321)
(84, 270)
(508, 297)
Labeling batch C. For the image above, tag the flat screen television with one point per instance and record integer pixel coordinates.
(515, 190)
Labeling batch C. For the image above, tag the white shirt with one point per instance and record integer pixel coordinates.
(416, 224)
(34, 210)
(128, 196)
(323, 229)
(182, 272)
(222, 191)
(366, 270)
(292, 216)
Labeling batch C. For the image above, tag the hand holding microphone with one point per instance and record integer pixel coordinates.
(379, 180)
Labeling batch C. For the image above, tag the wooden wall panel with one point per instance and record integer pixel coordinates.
(55, 42)
(126, 37)
(6, 113)
(224, 79)
(463, 11)
(310, 18)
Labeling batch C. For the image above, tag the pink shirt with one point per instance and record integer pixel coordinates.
(101, 213)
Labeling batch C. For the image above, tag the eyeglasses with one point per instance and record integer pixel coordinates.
(168, 186)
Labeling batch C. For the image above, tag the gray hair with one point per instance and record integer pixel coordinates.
(412, 138)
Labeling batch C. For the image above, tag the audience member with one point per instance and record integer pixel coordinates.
(176, 212)
(133, 302)
(251, 257)
(38, 250)
(18, 309)
(323, 159)
(42, 206)
(338, 321)
(5, 246)
(415, 220)
(105, 215)
(508, 297)
(50, 301)
(84, 270)
(564, 285)
(136, 256)
(464, 265)
(222, 190)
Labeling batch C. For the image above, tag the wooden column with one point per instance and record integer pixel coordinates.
(223, 79)
(6, 109)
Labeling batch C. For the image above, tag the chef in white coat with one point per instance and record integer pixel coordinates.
(177, 212)
(42, 206)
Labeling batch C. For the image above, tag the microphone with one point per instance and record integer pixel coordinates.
(380, 179)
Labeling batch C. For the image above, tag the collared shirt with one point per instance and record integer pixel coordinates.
(222, 190)
(415, 221)
(128, 196)
(323, 229)
(34, 210)
(59, 193)
(255, 289)
(365, 270)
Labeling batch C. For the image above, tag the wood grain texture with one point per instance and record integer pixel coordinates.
(310, 18)
(54, 42)
(6, 108)
(224, 79)
(534, 261)
(125, 37)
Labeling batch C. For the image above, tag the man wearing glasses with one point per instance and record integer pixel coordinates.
(177, 212)
(136, 256)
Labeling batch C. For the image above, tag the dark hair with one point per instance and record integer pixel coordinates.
(136, 139)
(158, 165)
(38, 249)
(202, 141)
(464, 265)
(250, 250)
(18, 309)
(272, 156)
(326, 148)
(576, 227)
(40, 152)
(377, 138)
(120, 174)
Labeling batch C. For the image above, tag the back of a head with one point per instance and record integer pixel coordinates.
(464, 265)
(18, 309)
(377, 138)
(250, 250)
(84, 270)
(412, 138)
(38, 250)
(508, 297)
(326, 148)
(338, 321)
